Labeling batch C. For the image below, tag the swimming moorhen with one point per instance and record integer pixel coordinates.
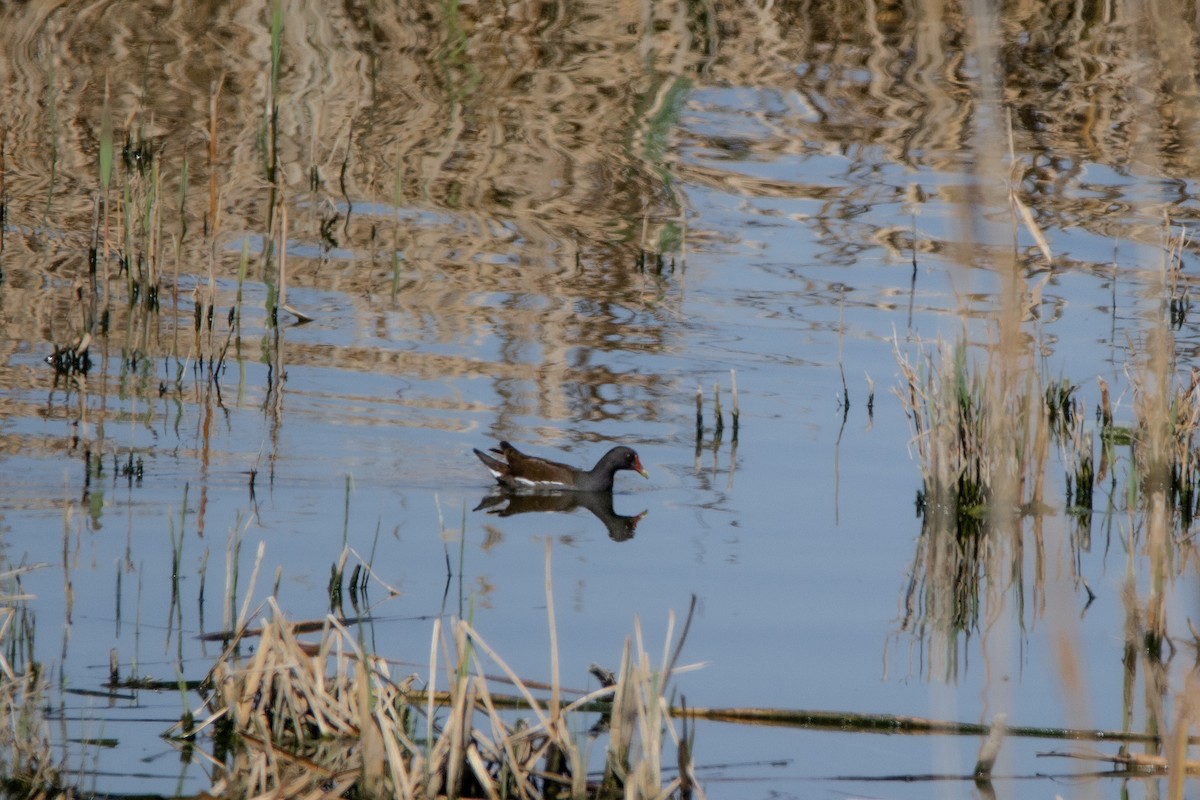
(520, 471)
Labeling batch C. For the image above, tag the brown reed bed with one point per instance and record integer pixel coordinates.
(326, 717)
(960, 445)
(944, 394)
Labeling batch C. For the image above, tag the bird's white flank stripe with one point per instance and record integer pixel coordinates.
(528, 482)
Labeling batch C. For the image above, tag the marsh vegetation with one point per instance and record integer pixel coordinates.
(268, 274)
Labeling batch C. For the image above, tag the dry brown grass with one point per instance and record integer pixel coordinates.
(28, 765)
(328, 719)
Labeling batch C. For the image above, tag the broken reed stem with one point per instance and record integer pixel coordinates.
(734, 400)
(720, 424)
(1106, 414)
(841, 331)
(555, 703)
(258, 559)
(281, 301)
(990, 749)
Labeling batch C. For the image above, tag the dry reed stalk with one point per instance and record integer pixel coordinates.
(211, 221)
(28, 762)
(735, 412)
(720, 418)
(153, 231)
(555, 700)
(281, 278)
(1177, 737)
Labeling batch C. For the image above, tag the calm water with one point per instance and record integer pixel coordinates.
(480, 257)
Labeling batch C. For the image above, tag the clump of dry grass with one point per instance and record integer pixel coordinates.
(329, 719)
(28, 767)
(961, 448)
(981, 435)
(945, 397)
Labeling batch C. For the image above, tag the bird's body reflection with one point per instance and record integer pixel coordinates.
(620, 528)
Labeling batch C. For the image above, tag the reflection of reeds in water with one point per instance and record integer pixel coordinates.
(329, 714)
(964, 455)
(1163, 474)
(503, 177)
(955, 578)
(718, 430)
(945, 396)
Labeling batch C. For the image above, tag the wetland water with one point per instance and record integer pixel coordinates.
(550, 224)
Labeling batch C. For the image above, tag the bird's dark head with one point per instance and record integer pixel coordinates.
(626, 458)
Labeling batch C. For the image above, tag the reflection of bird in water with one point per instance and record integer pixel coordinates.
(599, 503)
(516, 470)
